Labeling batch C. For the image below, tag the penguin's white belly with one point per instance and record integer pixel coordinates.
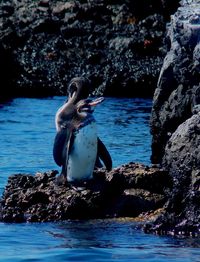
(82, 156)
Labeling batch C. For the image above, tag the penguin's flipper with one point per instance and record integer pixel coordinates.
(60, 146)
(98, 163)
(104, 155)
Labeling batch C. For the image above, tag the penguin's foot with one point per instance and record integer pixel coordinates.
(61, 180)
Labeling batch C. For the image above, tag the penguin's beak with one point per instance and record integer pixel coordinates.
(96, 101)
(87, 106)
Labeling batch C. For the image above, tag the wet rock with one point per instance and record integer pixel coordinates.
(178, 90)
(113, 194)
(118, 46)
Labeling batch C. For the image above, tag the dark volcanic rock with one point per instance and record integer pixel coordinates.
(178, 90)
(182, 159)
(182, 152)
(125, 191)
(176, 124)
(119, 46)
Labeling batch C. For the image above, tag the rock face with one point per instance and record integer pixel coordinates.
(182, 159)
(129, 190)
(118, 46)
(176, 124)
(178, 90)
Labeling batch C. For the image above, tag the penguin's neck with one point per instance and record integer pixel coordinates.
(84, 122)
(64, 114)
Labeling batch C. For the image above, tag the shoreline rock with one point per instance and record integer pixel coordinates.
(178, 89)
(175, 124)
(119, 46)
(182, 159)
(125, 191)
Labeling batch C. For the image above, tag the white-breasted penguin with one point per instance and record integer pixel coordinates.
(77, 147)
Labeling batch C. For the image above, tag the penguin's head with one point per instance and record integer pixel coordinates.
(86, 107)
(78, 89)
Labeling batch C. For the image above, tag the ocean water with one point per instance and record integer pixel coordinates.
(27, 131)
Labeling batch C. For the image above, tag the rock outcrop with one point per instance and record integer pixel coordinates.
(118, 46)
(127, 191)
(182, 159)
(178, 90)
(176, 124)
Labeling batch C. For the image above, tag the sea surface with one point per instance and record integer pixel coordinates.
(27, 131)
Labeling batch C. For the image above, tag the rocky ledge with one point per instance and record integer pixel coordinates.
(130, 190)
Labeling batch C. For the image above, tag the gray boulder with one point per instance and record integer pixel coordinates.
(178, 89)
(182, 159)
(182, 152)
(175, 124)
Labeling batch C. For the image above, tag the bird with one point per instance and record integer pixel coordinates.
(77, 147)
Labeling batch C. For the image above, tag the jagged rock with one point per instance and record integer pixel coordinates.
(176, 124)
(114, 194)
(182, 152)
(182, 159)
(178, 90)
(119, 46)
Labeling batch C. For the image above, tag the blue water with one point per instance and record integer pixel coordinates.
(27, 131)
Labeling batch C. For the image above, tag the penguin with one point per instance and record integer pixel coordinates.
(76, 145)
